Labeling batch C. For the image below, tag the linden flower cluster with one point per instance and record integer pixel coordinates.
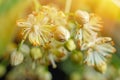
(96, 48)
(39, 26)
(53, 39)
(46, 30)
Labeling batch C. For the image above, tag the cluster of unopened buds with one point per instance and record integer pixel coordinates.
(55, 36)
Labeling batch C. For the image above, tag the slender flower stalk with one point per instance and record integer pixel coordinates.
(37, 5)
(21, 43)
(68, 6)
(51, 58)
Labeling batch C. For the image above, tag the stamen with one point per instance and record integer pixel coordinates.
(52, 61)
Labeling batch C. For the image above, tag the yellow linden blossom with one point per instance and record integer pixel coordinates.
(37, 28)
(57, 18)
(98, 50)
(90, 24)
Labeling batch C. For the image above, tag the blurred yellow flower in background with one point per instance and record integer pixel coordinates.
(117, 2)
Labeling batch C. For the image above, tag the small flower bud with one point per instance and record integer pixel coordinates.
(82, 17)
(47, 76)
(62, 53)
(36, 53)
(25, 49)
(76, 56)
(61, 34)
(16, 58)
(70, 45)
(101, 68)
(58, 54)
(43, 74)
